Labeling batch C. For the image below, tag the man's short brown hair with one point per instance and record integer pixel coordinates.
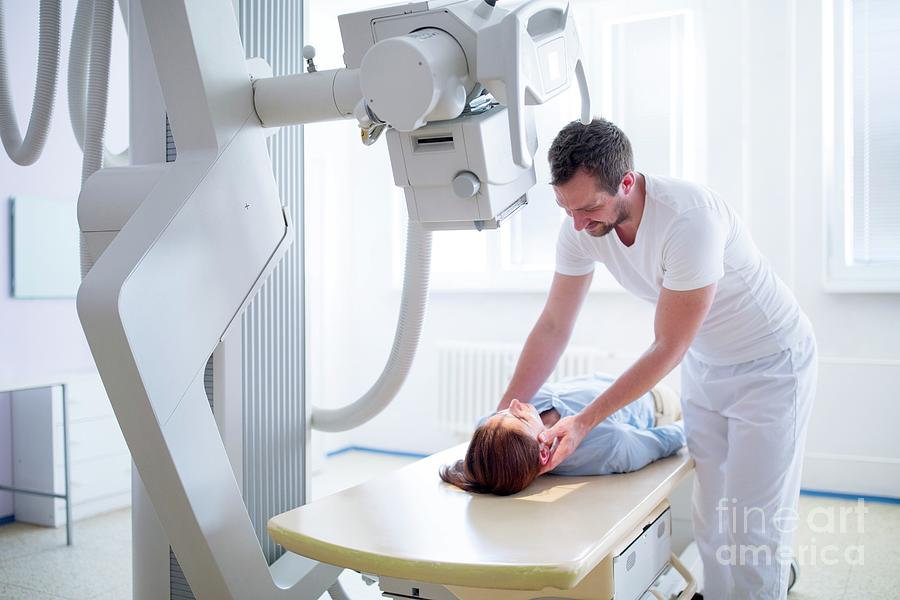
(599, 147)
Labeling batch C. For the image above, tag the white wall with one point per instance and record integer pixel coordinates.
(44, 336)
(852, 445)
(762, 152)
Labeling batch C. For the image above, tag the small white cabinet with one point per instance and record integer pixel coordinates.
(100, 465)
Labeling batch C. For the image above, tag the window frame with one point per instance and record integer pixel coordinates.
(841, 274)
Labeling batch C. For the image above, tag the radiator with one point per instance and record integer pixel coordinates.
(473, 376)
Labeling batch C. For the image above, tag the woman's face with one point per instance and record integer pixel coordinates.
(525, 418)
(522, 416)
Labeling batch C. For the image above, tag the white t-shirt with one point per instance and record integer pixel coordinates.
(688, 238)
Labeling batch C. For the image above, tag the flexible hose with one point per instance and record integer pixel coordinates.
(80, 51)
(406, 340)
(98, 88)
(26, 152)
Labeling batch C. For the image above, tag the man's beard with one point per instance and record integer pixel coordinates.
(602, 227)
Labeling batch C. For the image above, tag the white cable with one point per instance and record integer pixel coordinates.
(80, 50)
(97, 91)
(406, 340)
(26, 152)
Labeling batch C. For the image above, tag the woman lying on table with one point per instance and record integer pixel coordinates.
(505, 456)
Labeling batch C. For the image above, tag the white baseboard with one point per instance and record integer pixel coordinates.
(99, 506)
(864, 476)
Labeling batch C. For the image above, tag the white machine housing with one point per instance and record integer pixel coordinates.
(450, 78)
(643, 560)
(460, 174)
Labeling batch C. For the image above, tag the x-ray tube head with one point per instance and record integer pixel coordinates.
(414, 79)
(455, 85)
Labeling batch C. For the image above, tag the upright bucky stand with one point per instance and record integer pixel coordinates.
(180, 249)
(204, 234)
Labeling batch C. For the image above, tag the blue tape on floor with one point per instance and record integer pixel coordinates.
(377, 451)
(7, 519)
(843, 496)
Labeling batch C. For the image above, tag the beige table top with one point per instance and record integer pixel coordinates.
(411, 525)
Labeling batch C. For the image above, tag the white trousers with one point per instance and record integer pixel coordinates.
(746, 430)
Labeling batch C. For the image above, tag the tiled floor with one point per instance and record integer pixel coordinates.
(36, 564)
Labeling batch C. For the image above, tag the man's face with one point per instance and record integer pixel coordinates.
(591, 208)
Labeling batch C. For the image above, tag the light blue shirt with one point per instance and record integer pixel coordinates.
(625, 441)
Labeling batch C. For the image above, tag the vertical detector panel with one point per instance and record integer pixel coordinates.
(274, 402)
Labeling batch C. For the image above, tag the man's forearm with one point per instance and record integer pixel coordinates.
(679, 315)
(544, 346)
(646, 372)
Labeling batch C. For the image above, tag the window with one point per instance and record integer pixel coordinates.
(862, 134)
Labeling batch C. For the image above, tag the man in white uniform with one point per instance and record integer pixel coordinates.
(747, 350)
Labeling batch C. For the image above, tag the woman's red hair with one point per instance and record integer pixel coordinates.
(500, 460)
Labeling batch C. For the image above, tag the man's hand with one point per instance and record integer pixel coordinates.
(563, 438)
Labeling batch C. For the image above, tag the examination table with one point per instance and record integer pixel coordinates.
(563, 537)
